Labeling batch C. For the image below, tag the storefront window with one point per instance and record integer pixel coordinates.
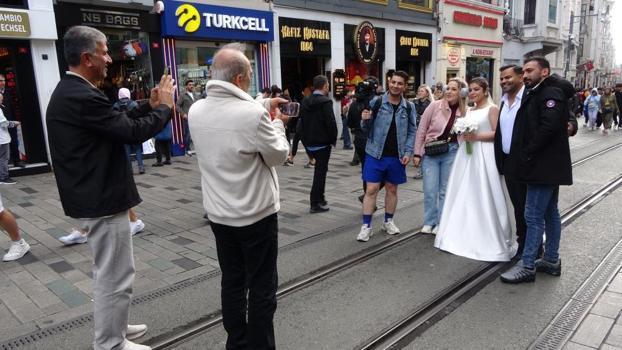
(194, 60)
(131, 64)
(480, 67)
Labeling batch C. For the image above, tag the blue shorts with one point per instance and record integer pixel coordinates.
(385, 169)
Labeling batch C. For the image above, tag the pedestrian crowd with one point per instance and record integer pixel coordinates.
(468, 148)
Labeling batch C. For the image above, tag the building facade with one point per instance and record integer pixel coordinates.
(28, 62)
(470, 41)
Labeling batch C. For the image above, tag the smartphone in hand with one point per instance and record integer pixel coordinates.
(167, 70)
(291, 109)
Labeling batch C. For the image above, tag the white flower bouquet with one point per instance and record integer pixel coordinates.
(464, 126)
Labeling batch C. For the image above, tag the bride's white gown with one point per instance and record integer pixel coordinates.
(475, 222)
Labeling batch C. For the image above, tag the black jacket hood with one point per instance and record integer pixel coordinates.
(315, 100)
(561, 83)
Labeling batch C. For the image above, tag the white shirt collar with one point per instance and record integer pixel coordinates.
(518, 97)
(79, 76)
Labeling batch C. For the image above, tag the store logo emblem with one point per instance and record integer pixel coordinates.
(189, 18)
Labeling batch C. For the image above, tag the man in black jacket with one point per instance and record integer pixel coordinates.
(541, 159)
(94, 178)
(319, 133)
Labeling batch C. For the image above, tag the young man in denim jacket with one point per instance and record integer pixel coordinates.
(390, 127)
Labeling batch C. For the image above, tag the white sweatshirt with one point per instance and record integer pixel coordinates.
(237, 148)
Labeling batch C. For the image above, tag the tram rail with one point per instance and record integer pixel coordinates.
(420, 317)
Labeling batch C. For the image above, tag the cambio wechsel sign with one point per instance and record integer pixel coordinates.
(14, 24)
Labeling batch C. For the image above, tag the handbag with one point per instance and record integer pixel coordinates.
(435, 148)
(148, 147)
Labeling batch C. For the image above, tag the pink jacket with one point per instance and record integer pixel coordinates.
(433, 124)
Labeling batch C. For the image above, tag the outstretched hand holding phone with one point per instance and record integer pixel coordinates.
(163, 93)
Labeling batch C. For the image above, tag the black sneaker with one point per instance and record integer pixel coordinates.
(166, 162)
(157, 164)
(548, 267)
(518, 274)
(8, 181)
(318, 209)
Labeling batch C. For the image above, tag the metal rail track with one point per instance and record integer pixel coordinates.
(445, 302)
(431, 308)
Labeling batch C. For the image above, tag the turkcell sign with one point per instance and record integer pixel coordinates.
(191, 20)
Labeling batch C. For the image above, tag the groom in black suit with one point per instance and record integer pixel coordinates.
(511, 102)
(367, 48)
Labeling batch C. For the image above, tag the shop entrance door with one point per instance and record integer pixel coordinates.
(297, 74)
(21, 103)
(413, 68)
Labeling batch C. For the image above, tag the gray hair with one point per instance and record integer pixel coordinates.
(234, 65)
(80, 39)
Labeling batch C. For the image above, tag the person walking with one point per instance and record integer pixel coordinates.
(592, 105)
(436, 147)
(423, 100)
(618, 94)
(18, 247)
(163, 146)
(241, 198)
(541, 155)
(184, 103)
(9, 114)
(126, 104)
(390, 125)
(5, 144)
(609, 108)
(95, 183)
(319, 134)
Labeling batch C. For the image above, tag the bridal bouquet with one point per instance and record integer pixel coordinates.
(463, 126)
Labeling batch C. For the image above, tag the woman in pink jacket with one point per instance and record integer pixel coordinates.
(435, 125)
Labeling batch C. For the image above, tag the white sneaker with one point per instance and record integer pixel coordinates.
(75, 237)
(128, 345)
(17, 250)
(435, 230)
(365, 233)
(137, 226)
(426, 229)
(390, 228)
(135, 331)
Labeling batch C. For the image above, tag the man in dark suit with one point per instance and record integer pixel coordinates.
(540, 154)
(7, 109)
(513, 89)
(367, 48)
(94, 179)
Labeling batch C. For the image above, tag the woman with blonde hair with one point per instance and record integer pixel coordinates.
(423, 100)
(435, 149)
(476, 223)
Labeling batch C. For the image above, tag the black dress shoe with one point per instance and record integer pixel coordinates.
(323, 203)
(157, 164)
(318, 209)
(166, 162)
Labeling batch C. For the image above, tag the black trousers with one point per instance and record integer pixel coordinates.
(247, 257)
(518, 196)
(13, 147)
(319, 175)
(163, 148)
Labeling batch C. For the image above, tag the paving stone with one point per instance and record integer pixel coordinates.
(186, 264)
(609, 347)
(616, 285)
(182, 241)
(161, 264)
(21, 277)
(615, 336)
(60, 286)
(61, 266)
(574, 346)
(74, 298)
(608, 305)
(593, 330)
(287, 231)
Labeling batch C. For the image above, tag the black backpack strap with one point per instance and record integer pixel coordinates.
(376, 107)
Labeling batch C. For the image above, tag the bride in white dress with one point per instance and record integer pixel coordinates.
(475, 222)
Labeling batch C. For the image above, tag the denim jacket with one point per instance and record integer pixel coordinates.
(378, 126)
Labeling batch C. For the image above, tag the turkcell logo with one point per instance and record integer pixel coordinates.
(189, 18)
(209, 21)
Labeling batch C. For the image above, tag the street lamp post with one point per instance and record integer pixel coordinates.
(568, 53)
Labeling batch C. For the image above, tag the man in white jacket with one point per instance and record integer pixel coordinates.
(238, 146)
